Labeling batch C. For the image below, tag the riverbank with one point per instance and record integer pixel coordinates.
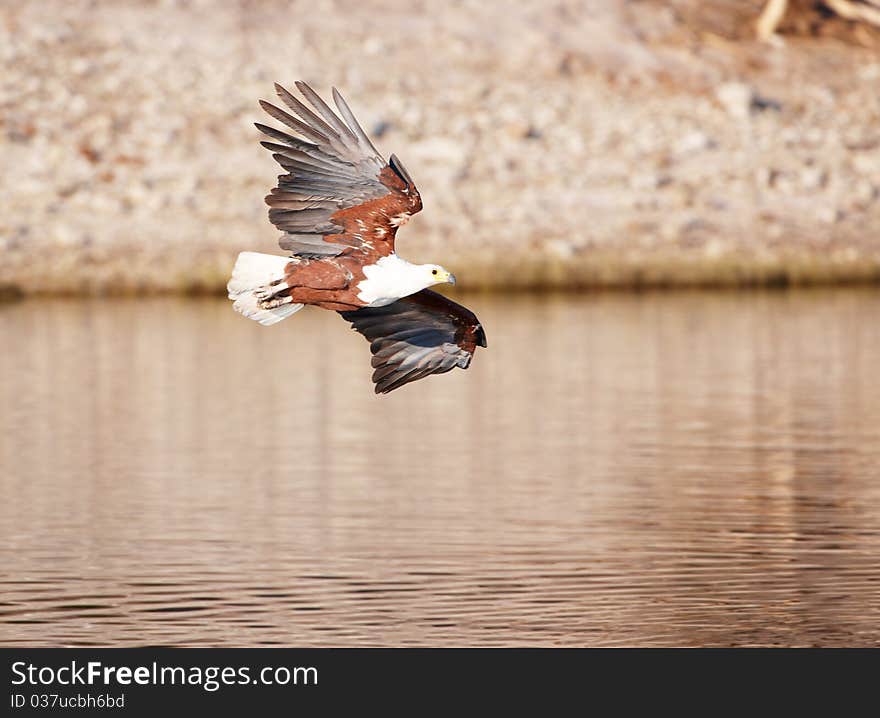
(587, 145)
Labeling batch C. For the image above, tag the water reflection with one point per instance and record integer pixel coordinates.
(683, 469)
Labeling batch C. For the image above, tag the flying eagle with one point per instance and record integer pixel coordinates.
(340, 205)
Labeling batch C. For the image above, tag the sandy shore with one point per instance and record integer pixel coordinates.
(577, 144)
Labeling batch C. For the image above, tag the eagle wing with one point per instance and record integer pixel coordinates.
(424, 333)
(339, 196)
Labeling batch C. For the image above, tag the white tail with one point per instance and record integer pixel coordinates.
(256, 279)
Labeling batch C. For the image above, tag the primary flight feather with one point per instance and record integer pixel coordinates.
(340, 206)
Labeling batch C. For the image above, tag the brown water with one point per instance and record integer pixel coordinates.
(675, 469)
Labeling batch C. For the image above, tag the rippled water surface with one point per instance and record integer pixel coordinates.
(672, 469)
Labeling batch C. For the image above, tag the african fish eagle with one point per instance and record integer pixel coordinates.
(340, 205)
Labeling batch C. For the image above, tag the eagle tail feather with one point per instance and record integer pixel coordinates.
(258, 290)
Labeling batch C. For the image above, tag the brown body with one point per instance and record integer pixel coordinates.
(325, 283)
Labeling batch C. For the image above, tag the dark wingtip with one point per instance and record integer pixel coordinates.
(396, 165)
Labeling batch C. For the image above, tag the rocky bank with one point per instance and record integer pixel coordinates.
(562, 144)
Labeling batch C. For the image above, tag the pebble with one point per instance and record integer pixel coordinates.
(736, 98)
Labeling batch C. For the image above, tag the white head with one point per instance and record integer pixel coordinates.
(435, 274)
(391, 278)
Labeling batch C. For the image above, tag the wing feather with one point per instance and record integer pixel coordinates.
(349, 117)
(299, 108)
(326, 112)
(319, 164)
(292, 122)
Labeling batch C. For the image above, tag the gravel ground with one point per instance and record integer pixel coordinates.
(567, 144)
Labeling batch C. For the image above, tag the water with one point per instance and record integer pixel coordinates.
(672, 469)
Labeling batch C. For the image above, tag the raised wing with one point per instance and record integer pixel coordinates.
(424, 333)
(339, 196)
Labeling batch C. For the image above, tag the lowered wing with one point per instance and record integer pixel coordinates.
(422, 334)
